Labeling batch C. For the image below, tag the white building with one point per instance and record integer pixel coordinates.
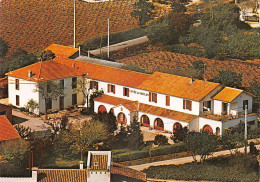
(160, 101)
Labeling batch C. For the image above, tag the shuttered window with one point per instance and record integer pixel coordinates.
(126, 91)
(17, 100)
(152, 97)
(17, 84)
(167, 100)
(111, 88)
(187, 104)
(93, 85)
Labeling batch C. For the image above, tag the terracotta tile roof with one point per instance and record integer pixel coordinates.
(7, 131)
(46, 70)
(228, 94)
(99, 162)
(62, 51)
(149, 109)
(178, 86)
(62, 175)
(106, 73)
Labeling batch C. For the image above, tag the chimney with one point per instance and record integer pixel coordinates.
(73, 65)
(30, 74)
(34, 174)
(191, 80)
(81, 164)
(79, 50)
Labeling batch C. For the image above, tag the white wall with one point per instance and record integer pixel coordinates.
(25, 92)
(234, 122)
(217, 107)
(142, 96)
(212, 123)
(244, 96)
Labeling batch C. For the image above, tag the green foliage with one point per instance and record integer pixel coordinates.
(131, 155)
(167, 149)
(226, 168)
(47, 55)
(95, 94)
(109, 120)
(120, 139)
(160, 140)
(229, 78)
(134, 67)
(59, 125)
(254, 89)
(135, 139)
(200, 143)
(3, 48)
(19, 60)
(144, 11)
(32, 105)
(14, 157)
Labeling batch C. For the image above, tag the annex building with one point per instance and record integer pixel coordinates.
(160, 101)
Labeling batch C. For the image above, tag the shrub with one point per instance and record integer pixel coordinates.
(160, 140)
(168, 149)
(130, 156)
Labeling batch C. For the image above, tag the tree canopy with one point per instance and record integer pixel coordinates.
(229, 78)
(3, 48)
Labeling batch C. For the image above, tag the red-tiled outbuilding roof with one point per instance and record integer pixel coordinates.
(62, 51)
(7, 131)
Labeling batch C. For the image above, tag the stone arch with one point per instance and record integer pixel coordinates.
(218, 131)
(145, 121)
(121, 118)
(158, 124)
(207, 128)
(102, 109)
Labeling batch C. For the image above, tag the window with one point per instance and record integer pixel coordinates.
(62, 84)
(187, 104)
(93, 85)
(17, 84)
(245, 103)
(111, 88)
(74, 82)
(49, 104)
(17, 100)
(167, 101)
(126, 91)
(152, 97)
(74, 99)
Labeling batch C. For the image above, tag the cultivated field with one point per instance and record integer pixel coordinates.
(35, 24)
(161, 60)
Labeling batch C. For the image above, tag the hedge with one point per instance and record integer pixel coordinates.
(167, 149)
(130, 156)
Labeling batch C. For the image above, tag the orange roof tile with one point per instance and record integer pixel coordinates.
(228, 94)
(62, 51)
(7, 131)
(99, 162)
(178, 86)
(106, 73)
(62, 175)
(46, 70)
(159, 111)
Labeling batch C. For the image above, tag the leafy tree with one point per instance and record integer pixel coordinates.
(229, 78)
(59, 125)
(47, 55)
(3, 48)
(109, 120)
(232, 141)
(13, 157)
(178, 7)
(88, 134)
(49, 91)
(144, 11)
(200, 143)
(32, 105)
(120, 139)
(94, 95)
(135, 139)
(160, 140)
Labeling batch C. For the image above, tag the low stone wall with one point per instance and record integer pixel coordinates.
(9, 179)
(125, 171)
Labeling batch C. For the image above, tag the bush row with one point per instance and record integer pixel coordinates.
(151, 152)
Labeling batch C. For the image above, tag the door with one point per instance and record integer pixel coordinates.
(62, 103)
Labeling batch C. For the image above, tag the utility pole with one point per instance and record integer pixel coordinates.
(74, 29)
(108, 37)
(245, 129)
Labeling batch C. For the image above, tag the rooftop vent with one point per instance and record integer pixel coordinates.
(73, 65)
(191, 80)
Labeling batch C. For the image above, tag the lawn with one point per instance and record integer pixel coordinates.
(225, 168)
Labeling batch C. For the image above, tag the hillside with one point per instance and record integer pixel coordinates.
(33, 25)
(167, 61)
